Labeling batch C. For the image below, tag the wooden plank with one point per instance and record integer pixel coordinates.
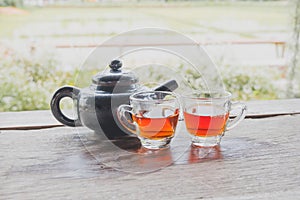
(44, 119)
(259, 159)
(270, 108)
(27, 120)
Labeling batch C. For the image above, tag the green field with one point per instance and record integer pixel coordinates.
(247, 20)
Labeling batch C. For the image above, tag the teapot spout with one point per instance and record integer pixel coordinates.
(170, 86)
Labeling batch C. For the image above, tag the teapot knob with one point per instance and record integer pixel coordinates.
(115, 65)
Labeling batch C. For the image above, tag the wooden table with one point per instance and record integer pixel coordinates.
(259, 159)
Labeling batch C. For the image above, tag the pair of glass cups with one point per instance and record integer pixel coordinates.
(153, 116)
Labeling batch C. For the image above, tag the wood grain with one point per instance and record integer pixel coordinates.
(259, 159)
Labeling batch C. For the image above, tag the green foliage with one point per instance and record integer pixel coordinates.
(254, 83)
(244, 84)
(14, 3)
(28, 81)
(247, 87)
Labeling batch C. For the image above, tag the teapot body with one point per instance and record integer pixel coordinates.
(97, 111)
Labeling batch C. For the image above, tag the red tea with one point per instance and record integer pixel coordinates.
(156, 128)
(205, 124)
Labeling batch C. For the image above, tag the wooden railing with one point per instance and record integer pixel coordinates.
(280, 45)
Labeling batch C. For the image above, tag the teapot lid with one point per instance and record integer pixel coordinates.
(116, 80)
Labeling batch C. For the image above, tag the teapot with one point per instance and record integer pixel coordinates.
(96, 105)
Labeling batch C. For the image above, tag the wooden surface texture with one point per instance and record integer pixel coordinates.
(259, 159)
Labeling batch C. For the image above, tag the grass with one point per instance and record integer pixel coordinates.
(184, 17)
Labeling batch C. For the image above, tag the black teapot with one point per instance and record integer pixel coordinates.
(97, 104)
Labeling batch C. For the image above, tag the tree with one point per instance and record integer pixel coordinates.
(294, 62)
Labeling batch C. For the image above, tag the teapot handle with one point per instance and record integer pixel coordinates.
(66, 91)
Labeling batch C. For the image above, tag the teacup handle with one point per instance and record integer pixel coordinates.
(235, 121)
(124, 114)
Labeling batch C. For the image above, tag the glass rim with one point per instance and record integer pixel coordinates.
(197, 95)
(133, 98)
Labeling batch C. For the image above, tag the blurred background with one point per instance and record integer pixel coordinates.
(43, 43)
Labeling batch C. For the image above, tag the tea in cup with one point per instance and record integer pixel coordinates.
(152, 116)
(206, 116)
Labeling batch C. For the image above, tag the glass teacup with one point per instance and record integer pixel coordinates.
(206, 116)
(152, 116)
